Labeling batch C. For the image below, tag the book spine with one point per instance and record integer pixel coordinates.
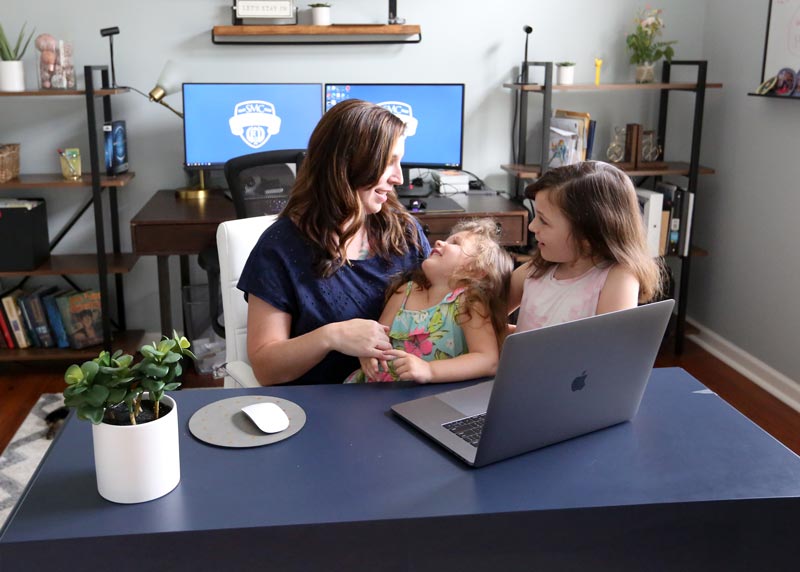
(15, 320)
(675, 222)
(39, 320)
(688, 213)
(5, 326)
(54, 318)
(63, 308)
(27, 320)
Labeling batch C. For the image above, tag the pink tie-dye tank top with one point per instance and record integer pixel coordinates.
(547, 301)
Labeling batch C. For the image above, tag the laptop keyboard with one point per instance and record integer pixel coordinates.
(469, 428)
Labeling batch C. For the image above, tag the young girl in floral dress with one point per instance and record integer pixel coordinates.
(447, 320)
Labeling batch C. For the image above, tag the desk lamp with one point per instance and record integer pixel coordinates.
(168, 82)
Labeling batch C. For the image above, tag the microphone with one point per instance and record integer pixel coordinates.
(524, 76)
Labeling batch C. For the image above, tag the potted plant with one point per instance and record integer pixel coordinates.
(135, 425)
(12, 74)
(565, 74)
(320, 14)
(645, 50)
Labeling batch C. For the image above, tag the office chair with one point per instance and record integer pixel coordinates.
(235, 240)
(259, 184)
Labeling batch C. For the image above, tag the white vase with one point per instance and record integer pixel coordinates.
(321, 16)
(565, 75)
(138, 463)
(646, 73)
(12, 76)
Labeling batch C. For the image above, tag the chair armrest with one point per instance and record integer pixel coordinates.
(240, 374)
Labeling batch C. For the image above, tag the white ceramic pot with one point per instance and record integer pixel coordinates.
(12, 76)
(321, 16)
(565, 75)
(138, 463)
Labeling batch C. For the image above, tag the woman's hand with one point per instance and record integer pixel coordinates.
(360, 338)
(409, 367)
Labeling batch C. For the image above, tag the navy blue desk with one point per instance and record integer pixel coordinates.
(689, 484)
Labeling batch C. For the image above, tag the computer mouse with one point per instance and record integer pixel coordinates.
(267, 416)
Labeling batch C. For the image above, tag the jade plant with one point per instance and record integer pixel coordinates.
(99, 388)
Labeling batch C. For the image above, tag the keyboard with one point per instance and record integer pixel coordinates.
(468, 428)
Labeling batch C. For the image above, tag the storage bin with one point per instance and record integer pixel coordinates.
(9, 162)
(24, 240)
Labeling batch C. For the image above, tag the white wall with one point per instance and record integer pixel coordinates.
(743, 212)
(747, 213)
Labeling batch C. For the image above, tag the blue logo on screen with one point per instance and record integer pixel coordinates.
(254, 121)
(404, 112)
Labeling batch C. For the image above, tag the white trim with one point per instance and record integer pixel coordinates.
(766, 377)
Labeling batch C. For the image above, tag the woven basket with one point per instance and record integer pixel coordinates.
(9, 162)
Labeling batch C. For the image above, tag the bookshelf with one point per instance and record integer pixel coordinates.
(307, 35)
(103, 261)
(522, 169)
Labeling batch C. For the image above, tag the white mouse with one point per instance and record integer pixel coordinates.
(267, 416)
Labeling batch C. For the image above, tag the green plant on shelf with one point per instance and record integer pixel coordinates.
(15, 53)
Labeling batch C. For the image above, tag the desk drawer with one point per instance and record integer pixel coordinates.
(513, 226)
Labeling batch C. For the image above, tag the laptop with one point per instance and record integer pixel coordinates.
(552, 384)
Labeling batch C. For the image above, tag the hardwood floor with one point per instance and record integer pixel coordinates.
(22, 384)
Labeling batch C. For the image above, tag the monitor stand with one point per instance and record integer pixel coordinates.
(409, 190)
(200, 192)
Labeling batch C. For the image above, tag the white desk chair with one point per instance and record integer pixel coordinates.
(235, 240)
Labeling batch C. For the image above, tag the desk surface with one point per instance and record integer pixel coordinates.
(356, 476)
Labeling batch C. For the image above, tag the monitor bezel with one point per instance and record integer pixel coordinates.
(406, 164)
(219, 166)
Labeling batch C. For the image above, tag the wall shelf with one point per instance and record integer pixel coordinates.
(129, 341)
(309, 35)
(673, 86)
(673, 168)
(58, 264)
(56, 180)
(63, 92)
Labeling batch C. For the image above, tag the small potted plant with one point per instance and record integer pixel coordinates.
(565, 74)
(135, 425)
(645, 50)
(320, 14)
(12, 74)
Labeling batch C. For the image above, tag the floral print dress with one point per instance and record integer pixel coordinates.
(429, 334)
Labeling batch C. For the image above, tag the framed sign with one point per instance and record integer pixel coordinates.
(782, 45)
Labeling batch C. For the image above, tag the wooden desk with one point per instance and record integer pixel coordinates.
(689, 484)
(167, 226)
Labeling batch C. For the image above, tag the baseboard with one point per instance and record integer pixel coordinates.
(766, 377)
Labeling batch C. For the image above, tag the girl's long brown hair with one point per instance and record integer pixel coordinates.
(486, 277)
(600, 203)
(349, 149)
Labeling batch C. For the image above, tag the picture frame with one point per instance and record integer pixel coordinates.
(782, 41)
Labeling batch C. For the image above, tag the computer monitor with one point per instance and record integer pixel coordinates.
(433, 113)
(226, 120)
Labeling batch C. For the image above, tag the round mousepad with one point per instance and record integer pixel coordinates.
(223, 423)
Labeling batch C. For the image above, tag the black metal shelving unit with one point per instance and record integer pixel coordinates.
(691, 170)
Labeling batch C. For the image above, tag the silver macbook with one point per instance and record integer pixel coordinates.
(552, 384)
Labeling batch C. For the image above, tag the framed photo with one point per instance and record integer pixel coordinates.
(782, 43)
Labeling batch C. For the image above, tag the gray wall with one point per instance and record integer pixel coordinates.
(481, 49)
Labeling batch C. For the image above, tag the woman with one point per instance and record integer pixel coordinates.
(317, 276)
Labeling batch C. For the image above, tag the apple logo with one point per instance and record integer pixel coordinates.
(579, 382)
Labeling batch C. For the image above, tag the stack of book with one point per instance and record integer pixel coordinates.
(449, 182)
(48, 317)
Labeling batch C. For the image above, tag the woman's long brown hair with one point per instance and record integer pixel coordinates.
(349, 149)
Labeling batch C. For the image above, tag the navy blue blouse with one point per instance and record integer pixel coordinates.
(280, 271)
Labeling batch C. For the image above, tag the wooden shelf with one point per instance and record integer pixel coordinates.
(63, 92)
(674, 168)
(70, 264)
(335, 34)
(129, 341)
(538, 88)
(53, 180)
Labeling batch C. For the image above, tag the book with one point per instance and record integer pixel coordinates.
(562, 147)
(115, 139)
(583, 119)
(590, 139)
(5, 328)
(15, 319)
(27, 319)
(650, 205)
(81, 313)
(686, 223)
(662, 241)
(39, 316)
(675, 222)
(54, 318)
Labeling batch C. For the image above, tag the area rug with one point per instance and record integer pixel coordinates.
(23, 454)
